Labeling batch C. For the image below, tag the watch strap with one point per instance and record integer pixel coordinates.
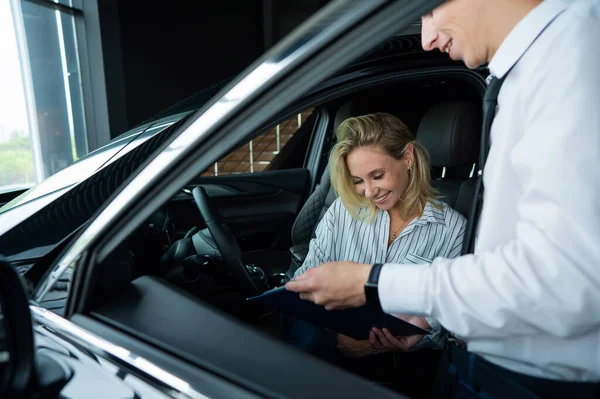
(371, 286)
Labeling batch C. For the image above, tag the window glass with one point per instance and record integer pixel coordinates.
(260, 154)
(42, 128)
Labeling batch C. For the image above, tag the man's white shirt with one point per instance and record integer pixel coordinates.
(529, 299)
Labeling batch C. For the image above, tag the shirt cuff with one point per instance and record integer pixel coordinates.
(402, 288)
(433, 340)
(433, 323)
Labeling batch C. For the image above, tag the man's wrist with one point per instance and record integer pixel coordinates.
(372, 287)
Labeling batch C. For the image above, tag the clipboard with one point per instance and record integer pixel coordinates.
(355, 322)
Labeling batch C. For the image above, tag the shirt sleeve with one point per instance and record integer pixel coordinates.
(545, 280)
(321, 248)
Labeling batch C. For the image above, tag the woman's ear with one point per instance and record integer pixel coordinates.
(409, 155)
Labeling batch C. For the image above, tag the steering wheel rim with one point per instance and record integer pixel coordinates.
(224, 240)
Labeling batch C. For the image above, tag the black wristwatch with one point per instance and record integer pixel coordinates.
(371, 286)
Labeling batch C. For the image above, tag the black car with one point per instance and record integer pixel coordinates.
(138, 259)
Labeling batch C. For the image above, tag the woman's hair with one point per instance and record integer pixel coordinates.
(392, 136)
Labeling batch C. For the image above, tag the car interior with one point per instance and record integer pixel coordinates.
(223, 239)
(227, 222)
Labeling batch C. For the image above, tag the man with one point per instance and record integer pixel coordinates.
(528, 299)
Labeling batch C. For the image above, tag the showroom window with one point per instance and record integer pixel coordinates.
(262, 153)
(42, 114)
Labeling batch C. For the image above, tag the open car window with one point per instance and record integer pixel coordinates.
(262, 153)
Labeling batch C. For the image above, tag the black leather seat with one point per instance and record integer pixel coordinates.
(450, 132)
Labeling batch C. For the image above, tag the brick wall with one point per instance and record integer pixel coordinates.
(260, 152)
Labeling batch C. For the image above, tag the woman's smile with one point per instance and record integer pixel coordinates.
(382, 198)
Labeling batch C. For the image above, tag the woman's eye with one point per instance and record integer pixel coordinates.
(355, 182)
(378, 177)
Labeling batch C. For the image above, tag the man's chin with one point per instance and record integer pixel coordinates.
(473, 64)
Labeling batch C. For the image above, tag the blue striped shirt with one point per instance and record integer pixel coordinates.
(340, 237)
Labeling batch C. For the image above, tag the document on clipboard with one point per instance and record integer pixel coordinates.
(355, 322)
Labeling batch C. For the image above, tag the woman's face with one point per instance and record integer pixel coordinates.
(378, 176)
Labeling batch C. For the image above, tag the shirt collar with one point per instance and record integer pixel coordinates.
(432, 214)
(523, 35)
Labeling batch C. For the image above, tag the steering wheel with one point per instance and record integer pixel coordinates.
(225, 240)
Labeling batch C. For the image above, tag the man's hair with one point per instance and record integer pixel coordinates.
(392, 136)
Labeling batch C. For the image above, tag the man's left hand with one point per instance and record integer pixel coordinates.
(335, 285)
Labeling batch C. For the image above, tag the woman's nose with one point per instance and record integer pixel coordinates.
(369, 190)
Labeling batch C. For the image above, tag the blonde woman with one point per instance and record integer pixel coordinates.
(386, 212)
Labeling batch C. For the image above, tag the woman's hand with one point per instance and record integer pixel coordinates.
(384, 341)
(353, 348)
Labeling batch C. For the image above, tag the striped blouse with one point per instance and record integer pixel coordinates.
(340, 237)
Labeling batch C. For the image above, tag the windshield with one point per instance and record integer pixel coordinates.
(38, 233)
(90, 163)
(76, 172)
(57, 185)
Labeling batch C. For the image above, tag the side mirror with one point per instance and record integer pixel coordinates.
(16, 350)
(22, 373)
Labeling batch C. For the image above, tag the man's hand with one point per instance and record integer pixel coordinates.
(383, 340)
(335, 285)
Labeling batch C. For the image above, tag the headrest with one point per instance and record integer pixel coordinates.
(364, 106)
(347, 110)
(451, 132)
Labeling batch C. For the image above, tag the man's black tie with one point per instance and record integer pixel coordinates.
(490, 100)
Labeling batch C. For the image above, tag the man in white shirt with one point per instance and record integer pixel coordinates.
(528, 300)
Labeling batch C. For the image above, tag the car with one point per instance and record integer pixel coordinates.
(138, 259)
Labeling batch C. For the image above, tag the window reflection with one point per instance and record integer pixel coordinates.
(42, 131)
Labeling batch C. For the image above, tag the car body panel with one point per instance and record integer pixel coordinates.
(100, 368)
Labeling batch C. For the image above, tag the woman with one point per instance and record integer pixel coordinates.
(386, 212)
